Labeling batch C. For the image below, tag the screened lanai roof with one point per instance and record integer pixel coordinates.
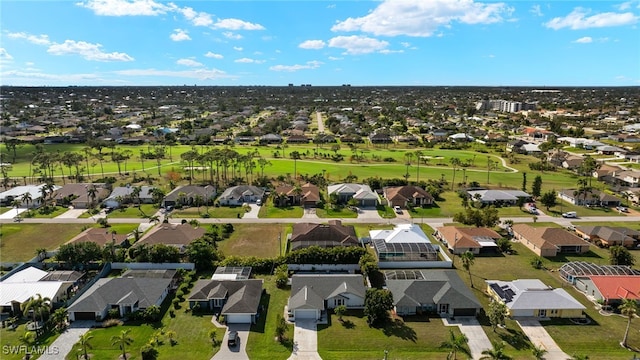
(403, 275)
(582, 268)
(382, 247)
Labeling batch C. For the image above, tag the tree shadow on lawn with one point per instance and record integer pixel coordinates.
(515, 338)
(262, 319)
(563, 257)
(589, 321)
(398, 328)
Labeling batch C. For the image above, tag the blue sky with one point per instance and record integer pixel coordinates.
(396, 42)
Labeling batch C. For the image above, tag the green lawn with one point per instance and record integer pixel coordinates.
(132, 212)
(386, 212)
(259, 240)
(598, 340)
(10, 338)
(337, 213)
(581, 210)
(267, 210)
(222, 212)
(261, 344)
(19, 241)
(418, 337)
(35, 213)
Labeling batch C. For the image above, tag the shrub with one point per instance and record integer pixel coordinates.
(148, 352)
(113, 314)
(111, 322)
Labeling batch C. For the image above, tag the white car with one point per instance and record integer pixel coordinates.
(570, 214)
(397, 209)
(623, 209)
(259, 202)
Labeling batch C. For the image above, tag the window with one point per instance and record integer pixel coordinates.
(339, 301)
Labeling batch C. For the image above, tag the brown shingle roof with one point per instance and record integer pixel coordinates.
(547, 238)
(406, 192)
(172, 234)
(100, 236)
(458, 237)
(326, 235)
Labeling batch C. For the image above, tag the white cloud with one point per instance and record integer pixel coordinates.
(34, 39)
(180, 35)
(291, 68)
(212, 55)
(355, 45)
(197, 18)
(189, 62)
(236, 24)
(126, 7)
(333, 58)
(423, 18)
(312, 44)
(199, 74)
(232, 36)
(405, 44)
(248, 61)
(536, 10)
(584, 40)
(4, 55)
(69, 78)
(387, 51)
(579, 19)
(237, 48)
(87, 50)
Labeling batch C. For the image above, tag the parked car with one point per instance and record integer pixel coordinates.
(623, 209)
(397, 209)
(258, 202)
(233, 339)
(570, 214)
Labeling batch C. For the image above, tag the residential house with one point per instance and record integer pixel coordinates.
(407, 246)
(178, 235)
(189, 195)
(516, 146)
(628, 178)
(21, 286)
(588, 198)
(271, 139)
(236, 300)
(575, 271)
(609, 236)
(241, 194)
(360, 192)
(79, 195)
(156, 274)
(572, 162)
(532, 298)
(128, 295)
(100, 236)
(498, 197)
(324, 235)
(433, 291)
(462, 239)
(460, 137)
(297, 139)
(537, 133)
(307, 195)
(610, 150)
(16, 193)
(409, 194)
(549, 242)
(380, 138)
(124, 195)
(313, 294)
(606, 171)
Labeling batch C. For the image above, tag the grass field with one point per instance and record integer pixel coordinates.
(18, 242)
(261, 344)
(132, 212)
(268, 210)
(259, 240)
(222, 212)
(337, 213)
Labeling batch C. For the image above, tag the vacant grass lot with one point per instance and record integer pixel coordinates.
(268, 210)
(18, 242)
(259, 240)
(598, 340)
(418, 337)
(132, 211)
(261, 344)
(337, 213)
(222, 212)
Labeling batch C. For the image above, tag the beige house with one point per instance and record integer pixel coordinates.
(549, 242)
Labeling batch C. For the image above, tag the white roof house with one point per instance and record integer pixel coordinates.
(26, 284)
(401, 233)
(29, 274)
(531, 297)
(18, 191)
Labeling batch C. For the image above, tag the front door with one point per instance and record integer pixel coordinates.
(542, 313)
(443, 308)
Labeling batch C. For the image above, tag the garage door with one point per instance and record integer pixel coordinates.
(84, 315)
(305, 314)
(238, 318)
(464, 312)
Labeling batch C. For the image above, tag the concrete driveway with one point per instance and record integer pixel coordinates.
(12, 213)
(469, 326)
(71, 214)
(238, 352)
(253, 214)
(310, 213)
(305, 341)
(369, 214)
(64, 343)
(541, 338)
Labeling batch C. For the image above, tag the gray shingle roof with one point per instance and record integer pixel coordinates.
(310, 291)
(108, 291)
(243, 296)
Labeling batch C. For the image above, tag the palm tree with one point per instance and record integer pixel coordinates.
(213, 336)
(456, 344)
(59, 318)
(497, 353)
(468, 259)
(455, 162)
(84, 343)
(26, 198)
(628, 308)
(135, 193)
(41, 253)
(122, 341)
(418, 155)
(295, 155)
(172, 337)
(91, 193)
(38, 306)
(16, 204)
(538, 352)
